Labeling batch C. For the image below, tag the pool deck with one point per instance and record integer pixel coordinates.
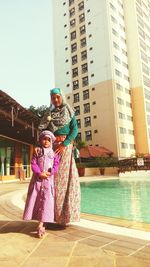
(96, 241)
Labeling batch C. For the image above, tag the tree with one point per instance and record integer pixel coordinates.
(39, 111)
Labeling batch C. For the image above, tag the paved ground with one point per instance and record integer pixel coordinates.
(74, 246)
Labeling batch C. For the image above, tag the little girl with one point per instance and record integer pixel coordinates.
(40, 198)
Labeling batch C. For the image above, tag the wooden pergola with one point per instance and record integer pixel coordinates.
(16, 121)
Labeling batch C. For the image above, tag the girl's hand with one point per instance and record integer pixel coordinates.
(60, 149)
(47, 173)
(44, 175)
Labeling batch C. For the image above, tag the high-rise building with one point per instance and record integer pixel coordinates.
(102, 61)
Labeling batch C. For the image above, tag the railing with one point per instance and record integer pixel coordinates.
(134, 164)
(21, 171)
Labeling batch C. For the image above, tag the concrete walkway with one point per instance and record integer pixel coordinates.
(75, 246)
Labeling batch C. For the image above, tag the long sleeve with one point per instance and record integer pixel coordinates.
(56, 164)
(34, 166)
(73, 132)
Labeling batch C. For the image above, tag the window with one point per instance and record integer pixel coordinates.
(147, 94)
(129, 118)
(83, 55)
(88, 135)
(79, 123)
(117, 59)
(132, 146)
(75, 84)
(76, 98)
(71, 2)
(79, 136)
(73, 35)
(77, 110)
(72, 12)
(87, 108)
(74, 59)
(73, 47)
(116, 45)
(124, 145)
(83, 42)
(131, 132)
(114, 32)
(82, 29)
(121, 115)
(72, 23)
(84, 68)
(85, 94)
(81, 6)
(145, 69)
(120, 101)
(123, 130)
(75, 72)
(82, 18)
(128, 104)
(119, 86)
(85, 81)
(127, 91)
(118, 73)
(87, 121)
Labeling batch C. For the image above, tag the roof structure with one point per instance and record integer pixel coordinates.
(16, 121)
(94, 151)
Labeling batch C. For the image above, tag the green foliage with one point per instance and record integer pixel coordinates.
(39, 111)
(106, 161)
(79, 143)
(99, 162)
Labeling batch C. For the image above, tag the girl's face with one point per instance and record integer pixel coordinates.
(45, 142)
(56, 100)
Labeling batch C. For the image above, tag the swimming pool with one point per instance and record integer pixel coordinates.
(117, 198)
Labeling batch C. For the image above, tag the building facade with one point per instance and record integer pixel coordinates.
(102, 61)
(18, 135)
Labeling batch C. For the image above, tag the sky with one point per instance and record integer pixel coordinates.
(26, 51)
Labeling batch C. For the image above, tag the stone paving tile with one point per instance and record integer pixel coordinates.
(45, 262)
(101, 260)
(8, 263)
(53, 249)
(118, 249)
(128, 244)
(143, 253)
(134, 240)
(131, 262)
(91, 242)
(84, 250)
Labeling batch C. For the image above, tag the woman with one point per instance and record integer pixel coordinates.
(60, 119)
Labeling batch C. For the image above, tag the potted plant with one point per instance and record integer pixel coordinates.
(81, 168)
(104, 162)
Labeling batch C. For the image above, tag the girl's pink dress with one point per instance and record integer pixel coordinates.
(40, 197)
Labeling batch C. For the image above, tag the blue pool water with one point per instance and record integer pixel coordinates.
(115, 198)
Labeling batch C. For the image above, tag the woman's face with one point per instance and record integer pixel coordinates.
(56, 100)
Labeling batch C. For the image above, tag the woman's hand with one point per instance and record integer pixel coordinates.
(60, 149)
(35, 150)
